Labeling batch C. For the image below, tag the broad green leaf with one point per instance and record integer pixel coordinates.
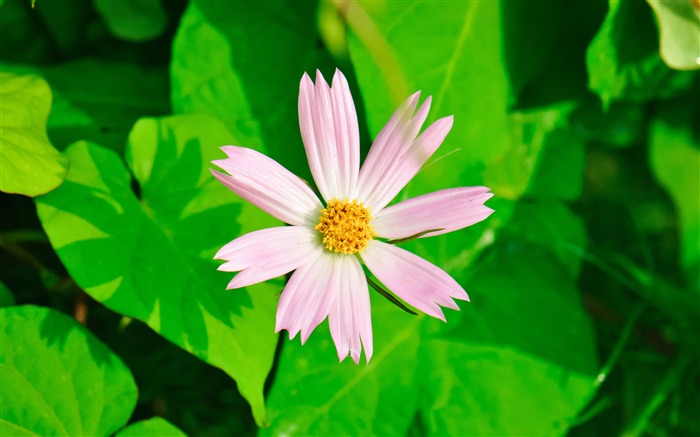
(519, 292)
(675, 159)
(503, 392)
(454, 52)
(58, 378)
(6, 297)
(623, 59)
(100, 101)
(150, 256)
(314, 395)
(243, 65)
(156, 427)
(30, 164)
(451, 51)
(135, 20)
(679, 27)
(515, 315)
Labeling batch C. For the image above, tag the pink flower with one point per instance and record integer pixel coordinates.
(327, 243)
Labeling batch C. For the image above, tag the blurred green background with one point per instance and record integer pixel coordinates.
(582, 116)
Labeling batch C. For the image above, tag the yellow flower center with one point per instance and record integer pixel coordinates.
(345, 226)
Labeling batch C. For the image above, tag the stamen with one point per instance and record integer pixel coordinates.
(345, 226)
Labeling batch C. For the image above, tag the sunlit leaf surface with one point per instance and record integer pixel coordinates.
(150, 256)
(156, 427)
(30, 164)
(58, 378)
(679, 26)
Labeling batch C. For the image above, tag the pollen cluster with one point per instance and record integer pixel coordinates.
(345, 226)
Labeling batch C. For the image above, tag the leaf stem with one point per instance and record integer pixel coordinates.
(413, 237)
(390, 296)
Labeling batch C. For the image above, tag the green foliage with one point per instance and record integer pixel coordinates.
(392, 59)
(136, 20)
(58, 379)
(243, 65)
(100, 101)
(498, 337)
(6, 298)
(679, 25)
(30, 164)
(675, 158)
(584, 281)
(156, 427)
(117, 246)
(621, 67)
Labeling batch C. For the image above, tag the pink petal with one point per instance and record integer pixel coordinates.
(307, 296)
(350, 318)
(397, 155)
(269, 186)
(268, 253)
(328, 124)
(413, 279)
(386, 146)
(408, 162)
(449, 210)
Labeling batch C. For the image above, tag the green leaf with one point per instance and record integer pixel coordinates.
(151, 257)
(100, 101)
(675, 159)
(623, 59)
(521, 290)
(511, 344)
(502, 392)
(679, 27)
(6, 297)
(243, 65)
(458, 58)
(392, 60)
(31, 165)
(135, 20)
(58, 379)
(550, 224)
(314, 395)
(155, 427)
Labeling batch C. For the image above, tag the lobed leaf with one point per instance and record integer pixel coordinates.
(150, 256)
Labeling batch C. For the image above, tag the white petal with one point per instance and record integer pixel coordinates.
(269, 186)
(449, 210)
(350, 317)
(328, 124)
(268, 253)
(413, 279)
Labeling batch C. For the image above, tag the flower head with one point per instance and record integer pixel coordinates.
(328, 241)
